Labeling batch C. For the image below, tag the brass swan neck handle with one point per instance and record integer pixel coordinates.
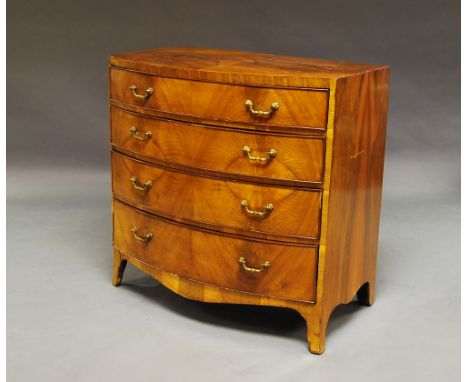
(257, 213)
(260, 113)
(148, 92)
(140, 187)
(145, 239)
(140, 137)
(269, 155)
(251, 269)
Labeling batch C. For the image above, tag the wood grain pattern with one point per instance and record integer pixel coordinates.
(202, 291)
(356, 184)
(220, 103)
(220, 150)
(348, 247)
(213, 259)
(229, 66)
(217, 202)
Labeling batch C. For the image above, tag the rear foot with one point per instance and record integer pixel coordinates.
(119, 268)
(365, 294)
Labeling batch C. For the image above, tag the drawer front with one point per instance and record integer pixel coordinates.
(218, 202)
(285, 271)
(220, 149)
(221, 102)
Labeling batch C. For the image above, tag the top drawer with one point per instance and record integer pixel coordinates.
(221, 103)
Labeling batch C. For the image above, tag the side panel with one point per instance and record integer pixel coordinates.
(355, 186)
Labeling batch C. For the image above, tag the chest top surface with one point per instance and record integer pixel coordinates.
(237, 66)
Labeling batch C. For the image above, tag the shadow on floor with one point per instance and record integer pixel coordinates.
(259, 319)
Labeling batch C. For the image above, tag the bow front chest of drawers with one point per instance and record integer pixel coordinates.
(249, 178)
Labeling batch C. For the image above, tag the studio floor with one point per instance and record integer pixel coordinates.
(66, 322)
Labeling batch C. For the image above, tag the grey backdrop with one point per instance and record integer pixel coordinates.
(66, 322)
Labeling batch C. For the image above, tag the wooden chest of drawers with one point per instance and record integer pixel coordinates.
(249, 178)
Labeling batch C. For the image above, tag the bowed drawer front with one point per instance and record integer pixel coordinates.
(267, 269)
(217, 202)
(218, 103)
(249, 178)
(263, 157)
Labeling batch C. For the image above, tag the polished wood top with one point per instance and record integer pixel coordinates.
(237, 67)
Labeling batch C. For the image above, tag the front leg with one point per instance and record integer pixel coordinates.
(316, 329)
(119, 268)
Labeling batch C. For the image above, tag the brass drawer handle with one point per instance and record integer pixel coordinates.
(261, 268)
(145, 96)
(140, 137)
(259, 113)
(255, 213)
(138, 186)
(270, 154)
(144, 239)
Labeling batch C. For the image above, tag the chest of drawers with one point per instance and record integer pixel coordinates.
(249, 178)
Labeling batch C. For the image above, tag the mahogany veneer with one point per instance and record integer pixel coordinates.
(301, 159)
(293, 276)
(304, 108)
(249, 178)
(194, 198)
